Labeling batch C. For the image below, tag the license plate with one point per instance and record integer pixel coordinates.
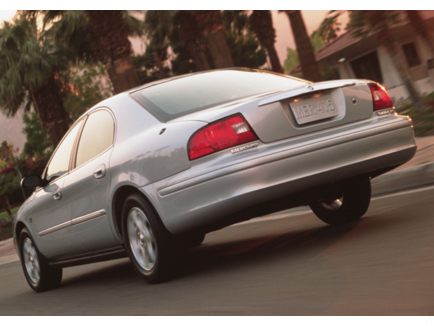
(312, 109)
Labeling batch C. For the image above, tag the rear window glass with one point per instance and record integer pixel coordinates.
(171, 99)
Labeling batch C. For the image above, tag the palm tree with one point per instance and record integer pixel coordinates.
(30, 75)
(187, 37)
(110, 31)
(376, 22)
(211, 25)
(245, 48)
(157, 27)
(308, 63)
(330, 26)
(97, 36)
(262, 24)
(177, 45)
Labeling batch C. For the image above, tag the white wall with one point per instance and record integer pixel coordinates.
(391, 78)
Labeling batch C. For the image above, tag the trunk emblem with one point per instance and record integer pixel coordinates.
(243, 148)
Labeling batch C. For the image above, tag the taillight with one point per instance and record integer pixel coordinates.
(220, 135)
(380, 97)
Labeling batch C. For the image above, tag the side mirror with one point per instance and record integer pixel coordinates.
(29, 184)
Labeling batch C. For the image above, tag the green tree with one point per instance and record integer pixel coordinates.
(38, 144)
(177, 45)
(109, 30)
(330, 26)
(30, 75)
(158, 27)
(210, 24)
(174, 46)
(306, 55)
(9, 180)
(328, 72)
(291, 60)
(364, 23)
(86, 87)
(262, 24)
(244, 47)
(97, 36)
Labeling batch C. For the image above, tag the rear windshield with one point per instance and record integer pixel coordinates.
(177, 97)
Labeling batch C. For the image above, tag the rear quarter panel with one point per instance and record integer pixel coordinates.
(147, 150)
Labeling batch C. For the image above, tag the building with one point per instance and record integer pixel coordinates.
(357, 57)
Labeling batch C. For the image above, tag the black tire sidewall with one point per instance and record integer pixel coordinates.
(23, 235)
(162, 239)
(356, 199)
(49, 277)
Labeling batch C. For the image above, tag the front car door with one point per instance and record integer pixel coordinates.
(51, 214)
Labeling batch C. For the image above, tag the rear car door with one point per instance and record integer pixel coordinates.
(51, 211)
(89, 181)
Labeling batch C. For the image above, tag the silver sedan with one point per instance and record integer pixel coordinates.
(150, 171)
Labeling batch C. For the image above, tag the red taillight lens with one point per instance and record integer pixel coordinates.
(380, 97)
(219, 135)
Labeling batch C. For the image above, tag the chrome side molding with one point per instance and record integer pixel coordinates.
(55, 228)
(74, 221)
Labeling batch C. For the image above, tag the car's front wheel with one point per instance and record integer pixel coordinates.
(151, 248)
(347, 204)
(39, 275)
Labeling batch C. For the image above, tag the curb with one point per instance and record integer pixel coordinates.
(406, 179)
(8, 254)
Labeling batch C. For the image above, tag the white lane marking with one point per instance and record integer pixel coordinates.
(306, 210)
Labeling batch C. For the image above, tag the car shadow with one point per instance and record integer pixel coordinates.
(236, 254)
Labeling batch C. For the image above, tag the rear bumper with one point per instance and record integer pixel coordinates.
(209, 192)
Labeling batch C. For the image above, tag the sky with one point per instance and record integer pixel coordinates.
(284, 38)
(6, 14)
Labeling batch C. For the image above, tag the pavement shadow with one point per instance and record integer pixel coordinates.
(232, 255)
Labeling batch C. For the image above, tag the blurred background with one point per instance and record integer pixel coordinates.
(54, 65)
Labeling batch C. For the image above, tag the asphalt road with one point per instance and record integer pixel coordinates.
(284, 265)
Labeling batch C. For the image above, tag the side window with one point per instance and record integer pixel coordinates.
(96, 137)
(59, 162)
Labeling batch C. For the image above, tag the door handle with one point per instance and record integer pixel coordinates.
(57, 195)
(99, 173)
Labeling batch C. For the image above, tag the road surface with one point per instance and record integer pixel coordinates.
(283, 265)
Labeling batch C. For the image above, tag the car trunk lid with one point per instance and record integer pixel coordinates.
(306, 109)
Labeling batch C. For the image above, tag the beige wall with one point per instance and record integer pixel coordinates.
(11, 130)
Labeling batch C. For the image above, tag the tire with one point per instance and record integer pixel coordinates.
(151, 248)
(348, 205)
(39, 275)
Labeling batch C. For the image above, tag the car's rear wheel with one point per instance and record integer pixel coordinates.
(345, 205)
(39, 275)
(150, 246)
